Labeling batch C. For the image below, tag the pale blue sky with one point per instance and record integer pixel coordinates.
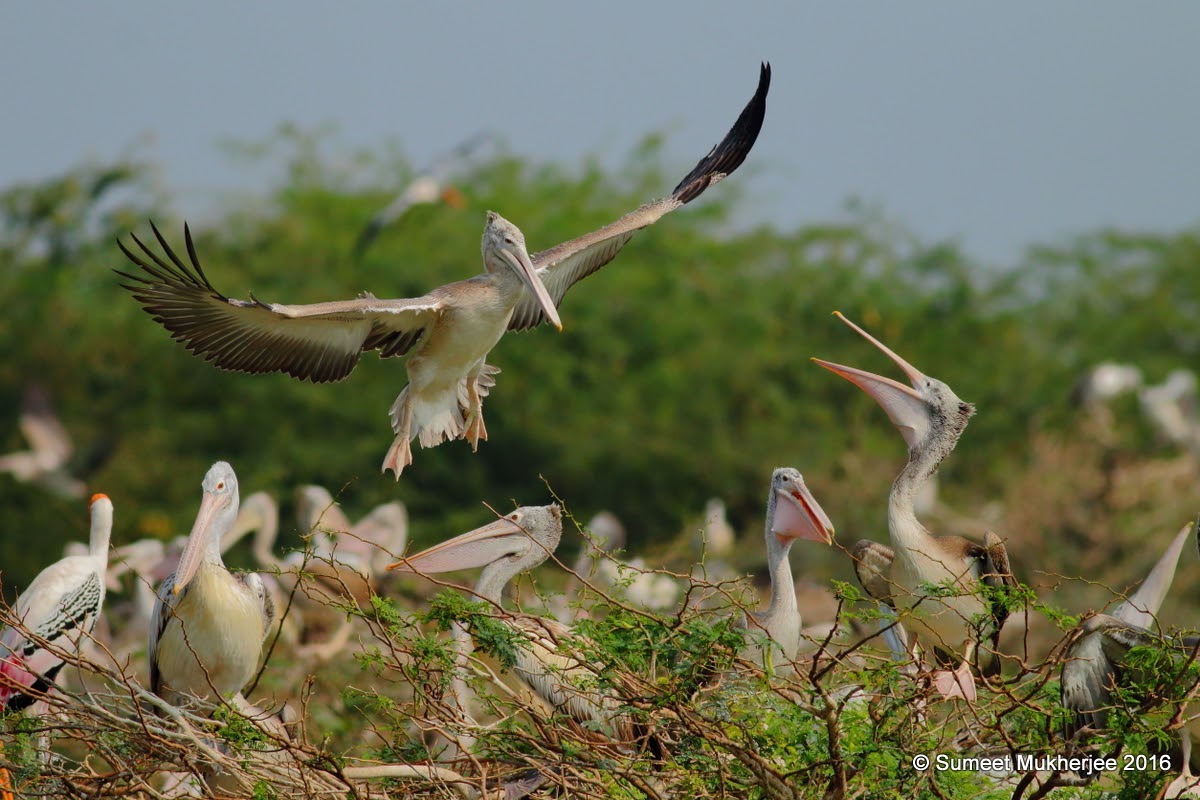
(998, 127)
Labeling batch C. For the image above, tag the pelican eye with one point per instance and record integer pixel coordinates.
(221, 486)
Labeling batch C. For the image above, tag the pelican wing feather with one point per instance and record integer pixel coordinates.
(564, 265)
(320, 342)
(872, 566)
(164, 608)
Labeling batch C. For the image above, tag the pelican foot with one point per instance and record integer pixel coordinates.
(475, 429)
(957, 683)
(1186, 785)
(398, 457)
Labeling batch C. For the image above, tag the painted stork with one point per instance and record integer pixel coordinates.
(449, 331)
(931, 418)
(53, 615)
(208, 626)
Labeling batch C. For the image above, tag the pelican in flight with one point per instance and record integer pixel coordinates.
(505, 548)
(931, 418)
(59, 608)
(208, 626)
(792, 513)
(447, 333)
(428, 186)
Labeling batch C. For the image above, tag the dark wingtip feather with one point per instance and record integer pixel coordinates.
(195, 259)
(729, 154)
(171, 271)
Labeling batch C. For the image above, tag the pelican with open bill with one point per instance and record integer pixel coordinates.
(447, 333)
(953, 620)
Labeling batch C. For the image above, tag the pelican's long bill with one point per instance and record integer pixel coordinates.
(473, 549)
(904, 405)
(197, 542)
(524, 267)
(798, 515)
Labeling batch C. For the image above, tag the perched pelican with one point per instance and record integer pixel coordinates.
(428, 186)
(505, 548)
(208, 626)
(449, 331)
(792, 513)
(1087, 681)
(931, 418)
(59, 608)
(1094, 658)
(46, 462)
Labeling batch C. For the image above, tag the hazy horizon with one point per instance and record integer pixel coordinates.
(995, 128)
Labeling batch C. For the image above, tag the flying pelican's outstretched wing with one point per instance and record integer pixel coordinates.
(320, 342)
(564, 265)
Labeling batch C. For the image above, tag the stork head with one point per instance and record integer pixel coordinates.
(101, 511)
(504, 250)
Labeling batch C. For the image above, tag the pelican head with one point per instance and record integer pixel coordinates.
(516, 542)
(218, 510)
(504, 248)
(928, 408)
(793, 511)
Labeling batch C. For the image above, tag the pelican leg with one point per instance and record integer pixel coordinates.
(475, 429)
(959, 682)
(1186, 785)
(479, 384)
(399, 455)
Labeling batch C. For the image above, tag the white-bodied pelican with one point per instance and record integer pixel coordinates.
(208, 626)
(447, 333)
(931, 418)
